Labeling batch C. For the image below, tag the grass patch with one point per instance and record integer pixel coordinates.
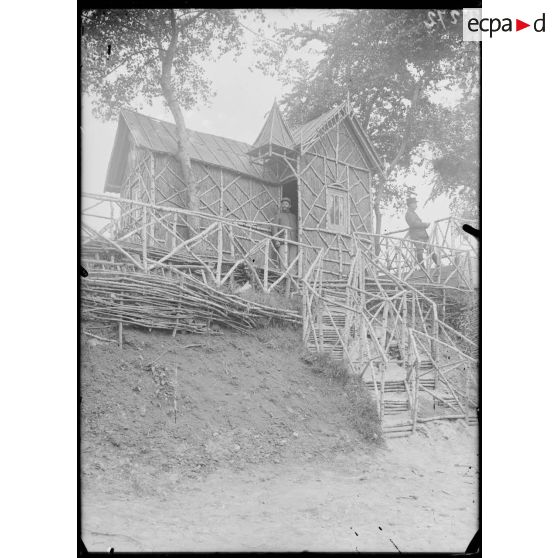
(363, 412)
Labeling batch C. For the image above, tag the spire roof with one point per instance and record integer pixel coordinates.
(275, 130)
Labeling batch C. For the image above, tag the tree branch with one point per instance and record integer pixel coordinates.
(184, 23)
(409, 123)
(127, 59)
(121, 24)
(261, 36)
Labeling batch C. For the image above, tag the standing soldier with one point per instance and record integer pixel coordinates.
(417, 231)
(285, 228)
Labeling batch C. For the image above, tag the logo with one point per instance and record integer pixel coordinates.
(474, 25)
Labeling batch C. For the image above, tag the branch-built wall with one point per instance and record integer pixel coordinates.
(335, 195)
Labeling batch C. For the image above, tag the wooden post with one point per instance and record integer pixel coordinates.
(153, 191)
(339, 251)
(120, 327)
(305, 311)
(434, 344)
(221, 195)
(266, 264)
(113, 224)
(415, 396)
(301, 262)
(219, 252)
(404, 353)
(301, 255)
(144, 239)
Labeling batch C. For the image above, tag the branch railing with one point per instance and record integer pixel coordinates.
(219, 247)
(439, 265)
(456, 379)
(351, 321)
(339, 327)
(168, 228)
(447, 232)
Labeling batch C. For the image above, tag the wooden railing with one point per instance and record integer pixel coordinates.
(224, 242)
(447, 232)
(456, 376)
(219, 247)
(338, 326)
(351, 322)
(440, 265)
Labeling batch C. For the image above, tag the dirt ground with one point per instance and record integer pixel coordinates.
(262, 456)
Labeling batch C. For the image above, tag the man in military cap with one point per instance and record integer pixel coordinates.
(417, 231)
(285, 228)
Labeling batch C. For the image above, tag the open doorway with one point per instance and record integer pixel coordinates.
(289, 190)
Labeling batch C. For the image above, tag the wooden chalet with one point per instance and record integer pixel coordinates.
(325, 167)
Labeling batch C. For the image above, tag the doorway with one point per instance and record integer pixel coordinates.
(289, 190)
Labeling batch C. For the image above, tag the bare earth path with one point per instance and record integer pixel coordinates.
(419, 494)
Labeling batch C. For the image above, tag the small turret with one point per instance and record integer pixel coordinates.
(274, 136)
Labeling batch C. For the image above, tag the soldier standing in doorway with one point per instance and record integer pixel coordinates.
(417, 231)
(285, 228)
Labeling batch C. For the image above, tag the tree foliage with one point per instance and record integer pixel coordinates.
(139, 54)
(124, 53)
(395, 65)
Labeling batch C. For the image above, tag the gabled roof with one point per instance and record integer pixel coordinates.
(275, 131)
(303, 133)
(161, 137)
(312, 129)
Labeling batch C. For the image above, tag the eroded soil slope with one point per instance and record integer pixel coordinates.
(240, 399)
(263, 455)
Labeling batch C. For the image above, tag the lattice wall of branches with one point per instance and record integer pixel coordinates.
(334, 160)
(156, 178)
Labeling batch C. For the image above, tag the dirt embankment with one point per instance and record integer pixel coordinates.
(240, 400)
(263, 455)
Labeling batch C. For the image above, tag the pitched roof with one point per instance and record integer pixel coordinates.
(307, 130)
(311, 129)
(275, 131)
(160, 136)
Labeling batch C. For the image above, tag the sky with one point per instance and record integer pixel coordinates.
(242, 99)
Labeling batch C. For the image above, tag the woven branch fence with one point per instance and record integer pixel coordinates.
(155, 301)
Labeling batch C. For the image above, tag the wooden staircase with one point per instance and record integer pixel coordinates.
(390, 335)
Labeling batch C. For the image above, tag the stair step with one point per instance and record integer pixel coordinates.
(447, 398)
(391, 412)
(398, 385)
(397, 430)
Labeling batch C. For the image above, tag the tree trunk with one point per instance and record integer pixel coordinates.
(192, 195)
(388, 168)
(191, 190)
